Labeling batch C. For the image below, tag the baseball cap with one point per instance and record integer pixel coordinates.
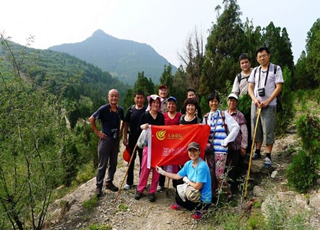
(171, 98)
(233, 95)
(193, 145)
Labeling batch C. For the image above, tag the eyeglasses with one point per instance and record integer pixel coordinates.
(262, 56)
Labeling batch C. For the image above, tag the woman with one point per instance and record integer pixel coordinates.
(190, 117)
(196, 173)
(171, 117)
(224, 129)
(151, 117)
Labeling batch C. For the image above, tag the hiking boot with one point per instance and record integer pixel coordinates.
(198, 215)
(175, 206)
(160, 188)
(138, 195)
(127, 187)
(99, 192)
(111, 186)
(267, 162)
(152, 197)
(256, 156)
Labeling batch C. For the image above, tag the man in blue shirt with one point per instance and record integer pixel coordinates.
(110, 116)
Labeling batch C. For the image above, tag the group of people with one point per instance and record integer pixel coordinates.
(227, 141)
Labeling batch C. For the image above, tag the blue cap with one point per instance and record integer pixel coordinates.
(171, 98)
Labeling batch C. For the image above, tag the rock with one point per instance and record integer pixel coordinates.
(292, 129)
(274, 174)
(257, 191)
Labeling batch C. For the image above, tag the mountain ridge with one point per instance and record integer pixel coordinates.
(122, 58)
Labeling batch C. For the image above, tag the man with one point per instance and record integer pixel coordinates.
(163, 94)
(240, 88)
(110, 116)
(131, 121)
(191, 93)
(239, 145)
(265, 83)
(240, 84)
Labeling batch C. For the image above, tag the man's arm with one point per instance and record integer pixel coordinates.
(274, 94)
(124, 127)
(253, 98)
(100, 134)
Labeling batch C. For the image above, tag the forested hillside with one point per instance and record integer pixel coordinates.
(84, 85)
(122, 58)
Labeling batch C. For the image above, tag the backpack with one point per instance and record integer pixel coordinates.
(240, 79)
(279, 97)
(130, 111)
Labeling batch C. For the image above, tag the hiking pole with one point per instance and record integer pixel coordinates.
(125, 176)
(252, 146)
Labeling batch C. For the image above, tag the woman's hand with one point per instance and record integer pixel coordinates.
(186, 180)
(160, 170)
(144, 126)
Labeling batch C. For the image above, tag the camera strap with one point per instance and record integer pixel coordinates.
(265, 82)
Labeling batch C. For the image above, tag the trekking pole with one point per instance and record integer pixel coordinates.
(125, 176)
(252, 146)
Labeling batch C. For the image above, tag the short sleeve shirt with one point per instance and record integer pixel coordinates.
(199, 174)
(133, 117)
(270, 85)
(109, 120)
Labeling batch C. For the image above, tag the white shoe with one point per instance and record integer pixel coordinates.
(160, 188)
(127, 187)
(267, 162)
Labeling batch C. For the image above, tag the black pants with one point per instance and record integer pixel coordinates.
(189, 204)
(232, 162)
(132, 143)
(107, 159)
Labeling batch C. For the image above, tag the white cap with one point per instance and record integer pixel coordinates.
(233, 95)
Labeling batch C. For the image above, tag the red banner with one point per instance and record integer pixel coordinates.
(169, 143)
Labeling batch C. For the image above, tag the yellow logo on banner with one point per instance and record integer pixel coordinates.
(161, 134)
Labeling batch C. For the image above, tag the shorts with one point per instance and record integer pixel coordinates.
(267, 121)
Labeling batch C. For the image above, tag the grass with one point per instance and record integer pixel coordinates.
(91, 203)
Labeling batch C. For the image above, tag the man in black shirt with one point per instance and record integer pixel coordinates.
(130, 126)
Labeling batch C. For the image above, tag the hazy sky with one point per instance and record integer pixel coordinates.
(163, 24)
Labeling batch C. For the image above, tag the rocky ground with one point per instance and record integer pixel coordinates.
(128, 213)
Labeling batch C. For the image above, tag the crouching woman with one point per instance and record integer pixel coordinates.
(196, 173)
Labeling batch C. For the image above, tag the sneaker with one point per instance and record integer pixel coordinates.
(267, 162)
(138, 195)
(256, 156)
(111, 187)
(127, 187)
(160, 188)
(197, 215)
(152, 197)
(175, 206)
(99, 192)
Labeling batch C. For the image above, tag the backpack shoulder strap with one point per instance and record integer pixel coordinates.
(239, 77)
(206, 118)
(223, 115)
(275, 67)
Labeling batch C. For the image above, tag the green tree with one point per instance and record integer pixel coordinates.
(224, 45)
(313, 47)
(278, 41)
(32, 135)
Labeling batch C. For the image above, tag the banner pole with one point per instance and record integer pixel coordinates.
(125, 176)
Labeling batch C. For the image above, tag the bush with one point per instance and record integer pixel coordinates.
(301, 173)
